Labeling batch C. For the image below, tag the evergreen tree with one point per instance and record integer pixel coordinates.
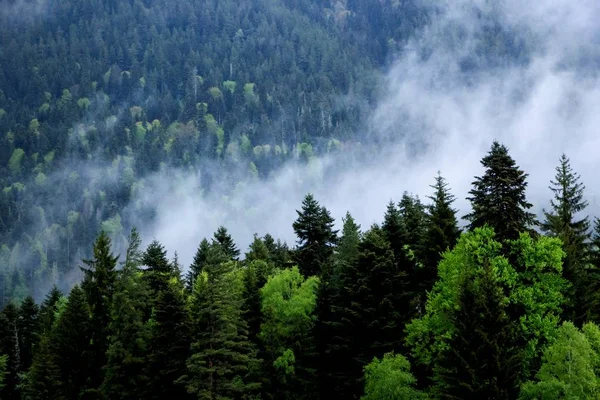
(314, 229)
(498, 197)
(129, 332)
(43, 378)
(3, 362)
(9, 346)
(258, 250)
(169, 343)
(224, 239)
(197, 264)
(483, 358)
(99, 285)
(561, 222)
(376, 307)
(48, 310)
(28, 329)
(394, 232)
(223, 363)
(334, 350)
(592, 295)
(441, 234)
(158, 270)
(413, 217)
(70, 344)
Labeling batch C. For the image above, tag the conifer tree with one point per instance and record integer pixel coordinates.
(99, 286)
(158, 270)
(28, 329)
(169, 343)
(9, 346)
(70, 344)
(441, 233)
(483, 358)
(197, 264)
(561, 222)
(223, 361)
(317, 238)
(48, 310)
(333, 347)
(258, 250)
(376, 308)
(498, 197)
(413, 217)
(394, 232)
(225, 240)
(129, 332)
(43, 378)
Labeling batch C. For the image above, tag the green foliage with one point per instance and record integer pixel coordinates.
(288, 304)
(498, 197)
(314, 229)
(569, 367)
(16, 160)
(390, 379)
(223, 363)
(561, 222)
(533, 291)
(3, 362)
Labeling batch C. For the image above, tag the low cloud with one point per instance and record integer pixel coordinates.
(539, 99)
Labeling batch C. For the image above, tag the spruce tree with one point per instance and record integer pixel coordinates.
(158, 270)
(169, 343)
(48, 310)
(197, 264)
(562, 222)
(225, 240)
(258, 250)
(9, 346)
(333, 346)
(28, 329)
(43, 378)
(99, 285)
(441, 234)
(483, 358)
(498, 197)
(413, 217)
(70, 344)
(129, 331)
(376, 307)
(393, 229)
(223, 361)
(317, 238)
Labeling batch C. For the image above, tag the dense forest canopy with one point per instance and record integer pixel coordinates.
(290, 151)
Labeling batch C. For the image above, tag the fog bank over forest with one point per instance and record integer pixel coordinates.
(445, 103)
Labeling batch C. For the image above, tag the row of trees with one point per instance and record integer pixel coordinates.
(498, 311)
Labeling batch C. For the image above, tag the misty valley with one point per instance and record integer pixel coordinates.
(299, 199)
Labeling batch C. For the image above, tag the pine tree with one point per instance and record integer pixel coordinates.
(394, 232)
(223, 360)
(376, 308)
(258, 250)
(158, 270)
(28, 329)
(483, 358)
(225, 240)
(413, 217)
(197, 264)
(441, 234)
(43, 378)
(498, 197)
(169, 343)
(48, 310)
(9, 346)
(333, 348)
(99, 286)
(592, 295)
(129, 332)
(70, 344)
(314, 229)
(561, 222)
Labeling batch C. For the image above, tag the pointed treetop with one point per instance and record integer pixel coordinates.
(226, 241)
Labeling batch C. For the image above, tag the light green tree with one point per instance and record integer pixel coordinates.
(390, 379)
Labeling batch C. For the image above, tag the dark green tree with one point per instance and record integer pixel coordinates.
(317, 238)
(43, 378)
(129, 330)
(28, 328)
(48, 310)
(334, 349)
(70, 344)
(223, 363)
(498, 197)
(413, 217)
(158, 270)
(99, 286)
(258, 250)
(9, 346)
(441, 234)
(225, 240)
(562, 222)
(197, 264)
(483, 358)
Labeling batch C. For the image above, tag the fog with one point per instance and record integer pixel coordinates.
(435, 115)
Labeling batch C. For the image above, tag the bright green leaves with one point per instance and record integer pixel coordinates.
(390, 379)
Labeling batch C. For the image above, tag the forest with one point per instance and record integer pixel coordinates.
(411, 307)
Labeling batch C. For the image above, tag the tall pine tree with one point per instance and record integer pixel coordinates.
(498, 197)
(317, 238)
(99, 285)
(224, 239)
(562, 222)
(223, 363)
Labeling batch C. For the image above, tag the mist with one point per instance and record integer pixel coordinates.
(436, 115)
